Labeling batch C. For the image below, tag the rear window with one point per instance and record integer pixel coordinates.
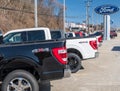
(98, 33)
(56, 35)
(77, 35)
(69, 35)
(36, 35)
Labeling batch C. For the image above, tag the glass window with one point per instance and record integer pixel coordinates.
(77, 35)
(36, 35)
(70, 35)
(56, 34)
(15, 37)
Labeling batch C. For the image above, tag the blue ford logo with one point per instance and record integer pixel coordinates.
(106, 9)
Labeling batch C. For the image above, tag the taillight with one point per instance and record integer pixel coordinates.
(60, 54)
(93, 44)
(100, 39)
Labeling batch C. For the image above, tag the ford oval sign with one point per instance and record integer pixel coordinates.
(106, 9)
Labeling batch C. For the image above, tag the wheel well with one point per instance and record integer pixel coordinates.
(76, 52)
(19, 66)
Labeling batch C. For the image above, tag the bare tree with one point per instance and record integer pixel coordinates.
(20, 14)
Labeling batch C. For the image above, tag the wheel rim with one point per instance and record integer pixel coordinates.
(73, 62)
(19, 84)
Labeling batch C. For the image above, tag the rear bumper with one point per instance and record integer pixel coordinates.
(67, 72)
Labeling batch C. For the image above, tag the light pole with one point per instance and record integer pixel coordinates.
(64, 15)
(87, 15)
(35, 13)
(92, 21)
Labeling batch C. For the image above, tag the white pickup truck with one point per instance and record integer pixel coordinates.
(78, 49)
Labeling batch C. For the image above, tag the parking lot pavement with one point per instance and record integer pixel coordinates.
(99, 74)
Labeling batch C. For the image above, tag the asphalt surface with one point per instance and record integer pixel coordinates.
(99, 74)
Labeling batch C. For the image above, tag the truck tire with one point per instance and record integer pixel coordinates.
(20, 80)
(74, 61)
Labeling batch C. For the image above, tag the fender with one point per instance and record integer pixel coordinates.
(20, 62)
(81, 51)
(83, 46)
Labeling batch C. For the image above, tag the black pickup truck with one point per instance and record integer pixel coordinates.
(26, 57)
